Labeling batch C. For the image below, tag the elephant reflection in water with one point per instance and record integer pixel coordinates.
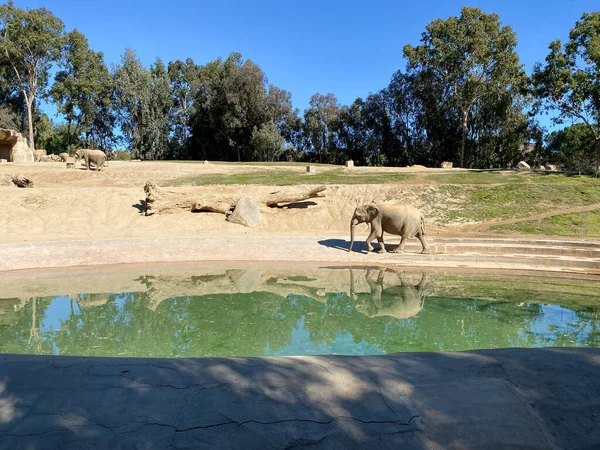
(401, 299)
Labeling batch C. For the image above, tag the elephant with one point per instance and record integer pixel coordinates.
(401, 298)
(64, 157)
(38, 155)
(96, 157)
(404, 220)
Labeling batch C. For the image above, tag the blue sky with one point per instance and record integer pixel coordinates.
(348, 48)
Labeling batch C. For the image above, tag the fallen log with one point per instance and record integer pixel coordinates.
(21, 181)
(162, 201)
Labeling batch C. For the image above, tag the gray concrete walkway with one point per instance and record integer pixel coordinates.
(496, 399)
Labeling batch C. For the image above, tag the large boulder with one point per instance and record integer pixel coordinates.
(13, 147)
(246, 213)
(523, 166)
(447, 165)
(551, 167)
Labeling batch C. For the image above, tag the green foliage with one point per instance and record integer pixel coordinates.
(121, 155)
(83, 92)
(267, 142)
(473, 57)
(574, 148)
(569, 81)
(29, 42)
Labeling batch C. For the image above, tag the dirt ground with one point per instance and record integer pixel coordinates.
(72, 204)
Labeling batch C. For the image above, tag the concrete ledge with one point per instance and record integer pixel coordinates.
(510, 398)
(480, 253)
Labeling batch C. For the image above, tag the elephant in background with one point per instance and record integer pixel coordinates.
(38, 155)
(96, 157)
(403, 220)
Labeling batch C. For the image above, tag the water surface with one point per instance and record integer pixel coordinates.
(257, 312)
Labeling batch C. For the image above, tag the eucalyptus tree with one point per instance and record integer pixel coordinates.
(320, 121)
(231, 102)
(30, 41)
(569, 80)
(133, 91)
(473, 56)
(83, 91)
(183, 77)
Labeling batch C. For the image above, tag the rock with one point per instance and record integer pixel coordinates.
(551, 167)
(246, 213)
(311, 169)
(3, 161)
(349, 163)
(523, 166)
(540, 168)
(446, 165)
(205, 162)
(13, 147)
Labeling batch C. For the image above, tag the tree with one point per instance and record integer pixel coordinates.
(83, 91)
(473, 56)
(230, 103)
(569, 81)
(267, 142)
(320, 124)
(574, 147)
(183, 78)
(30, 41)
(133, 91)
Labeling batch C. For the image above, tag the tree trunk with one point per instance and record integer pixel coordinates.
(29, 103)
(598, 156)
(159, 201)
(463, 138)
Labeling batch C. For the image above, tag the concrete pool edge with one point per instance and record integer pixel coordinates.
(485, 253)
(506, 398)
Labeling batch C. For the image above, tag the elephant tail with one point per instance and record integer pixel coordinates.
(422, 225)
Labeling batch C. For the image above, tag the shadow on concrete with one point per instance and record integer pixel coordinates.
(358, 247)
(510, 398)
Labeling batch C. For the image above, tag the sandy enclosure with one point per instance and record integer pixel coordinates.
(79, 204)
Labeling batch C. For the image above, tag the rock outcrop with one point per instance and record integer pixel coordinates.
(523, 166)
(13, 147)
(447, 165)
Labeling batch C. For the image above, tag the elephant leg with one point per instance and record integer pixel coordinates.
(371, 236)
(381, 244)
(400, 247)
(423, 243)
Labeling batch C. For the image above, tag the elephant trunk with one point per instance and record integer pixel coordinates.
(353, 223)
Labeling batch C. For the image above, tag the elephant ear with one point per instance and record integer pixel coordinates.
(372, 211)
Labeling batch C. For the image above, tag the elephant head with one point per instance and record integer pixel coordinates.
(362, 214)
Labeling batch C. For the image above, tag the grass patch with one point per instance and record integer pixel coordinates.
(281, 178)
(585, 224)
(482, 203)
(497, 177)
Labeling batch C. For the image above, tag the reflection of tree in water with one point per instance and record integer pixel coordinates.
(384, 308)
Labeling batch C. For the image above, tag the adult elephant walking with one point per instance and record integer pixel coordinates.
(96, 157)
(403, 220)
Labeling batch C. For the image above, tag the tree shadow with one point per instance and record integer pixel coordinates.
(509, 398)
(295, 205)
(140, 206)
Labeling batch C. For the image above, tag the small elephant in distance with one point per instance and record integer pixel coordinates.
(96, 157)
(403, 220)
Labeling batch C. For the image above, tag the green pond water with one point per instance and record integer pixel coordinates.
(254, 312)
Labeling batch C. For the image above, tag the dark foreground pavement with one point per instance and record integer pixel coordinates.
(496, 399)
